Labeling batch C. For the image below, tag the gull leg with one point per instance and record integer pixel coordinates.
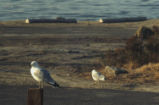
(39, 84)
(98, 84)
(95, 82)
(42, 84)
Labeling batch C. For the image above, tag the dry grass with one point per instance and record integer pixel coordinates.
(150, 71)
(136, 58)
(145, 74)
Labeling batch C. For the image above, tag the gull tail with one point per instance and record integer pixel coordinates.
(54, 84)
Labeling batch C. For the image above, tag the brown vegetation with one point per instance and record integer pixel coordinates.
(140, 57)
(139, 50)
(145, 74)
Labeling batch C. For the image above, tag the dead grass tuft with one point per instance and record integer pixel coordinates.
(145, 74)
(140, 57)
(137, 52)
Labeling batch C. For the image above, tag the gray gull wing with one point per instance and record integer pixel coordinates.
(48, 78)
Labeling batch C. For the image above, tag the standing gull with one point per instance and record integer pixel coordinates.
(41, 75)
(97, 76)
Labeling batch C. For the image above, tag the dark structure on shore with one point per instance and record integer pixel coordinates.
(119, 20)
(57, 20)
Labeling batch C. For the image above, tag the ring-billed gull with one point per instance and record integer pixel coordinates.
(41, 75)
(97, 76)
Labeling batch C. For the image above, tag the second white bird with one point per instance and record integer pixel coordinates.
(97, 76)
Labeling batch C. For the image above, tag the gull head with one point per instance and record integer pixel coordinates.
(94, 71)
(34, 63)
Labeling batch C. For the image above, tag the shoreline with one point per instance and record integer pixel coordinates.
(148, 22)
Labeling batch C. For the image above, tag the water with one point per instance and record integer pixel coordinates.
(79, 9)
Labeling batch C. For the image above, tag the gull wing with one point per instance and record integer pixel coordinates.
(98, 76)
(95, 75)
(102, 77)
(48, 79)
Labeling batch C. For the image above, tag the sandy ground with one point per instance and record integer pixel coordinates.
(66, 50)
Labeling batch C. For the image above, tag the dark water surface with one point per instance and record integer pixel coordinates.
(79, 9)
